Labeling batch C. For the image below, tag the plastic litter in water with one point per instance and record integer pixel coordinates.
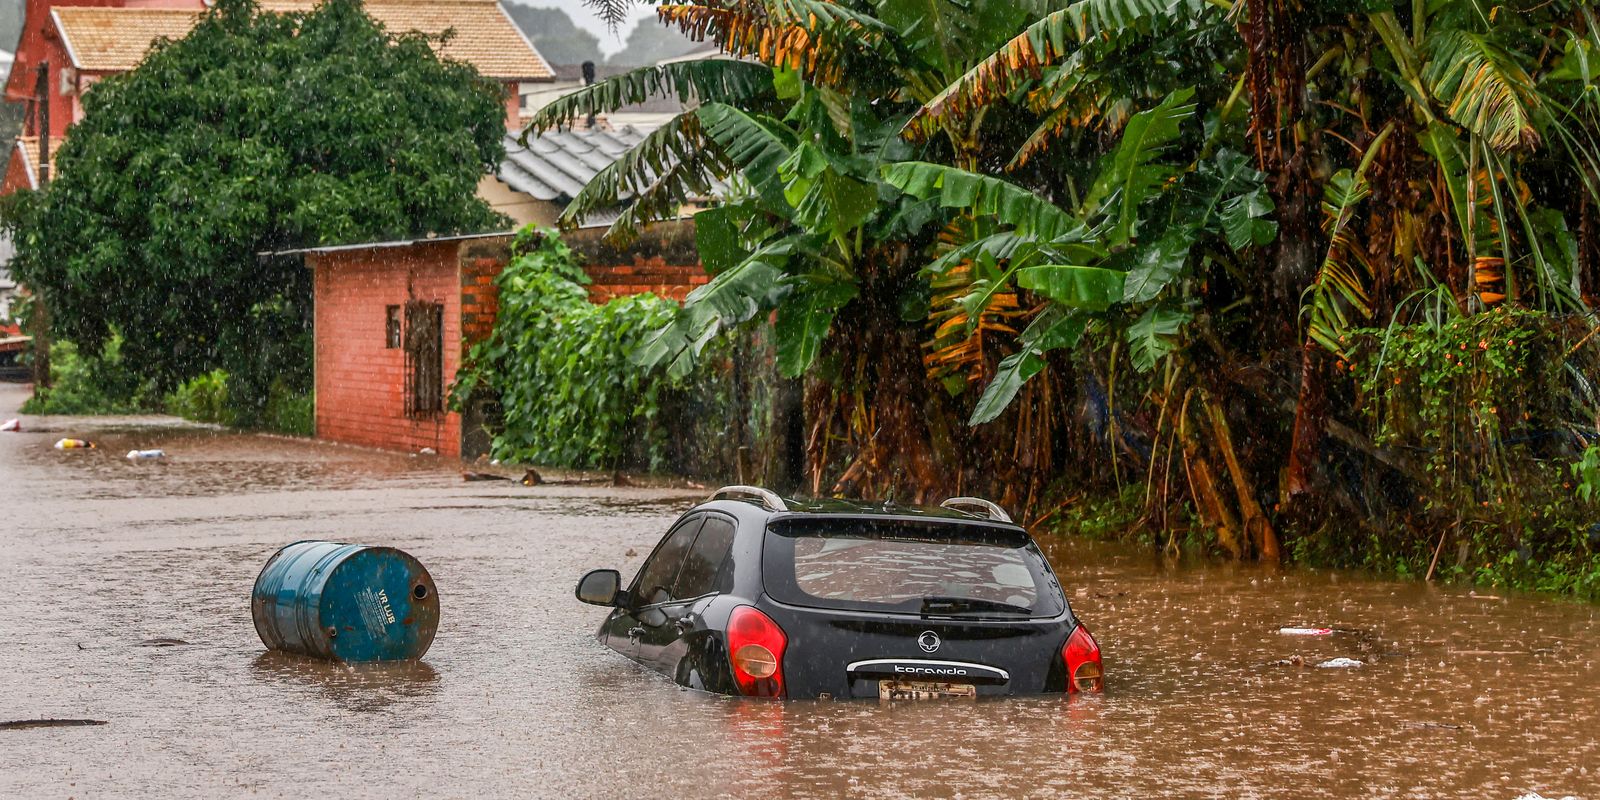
(1306, 631)
(74, 444)
(1341, 663)
(146, 455)
(11, 425)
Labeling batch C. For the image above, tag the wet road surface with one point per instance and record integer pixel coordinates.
(1461, 695)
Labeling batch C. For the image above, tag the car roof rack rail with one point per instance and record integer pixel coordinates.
(989, 509)
(769, 499)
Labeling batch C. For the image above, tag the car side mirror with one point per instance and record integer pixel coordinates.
(600, 587)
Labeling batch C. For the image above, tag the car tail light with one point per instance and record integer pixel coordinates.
(1082, 655)
(755, 646)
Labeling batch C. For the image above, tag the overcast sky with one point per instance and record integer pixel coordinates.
(586, 19)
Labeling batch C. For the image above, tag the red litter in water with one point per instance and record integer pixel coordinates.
(1306, 631)
(11, 425)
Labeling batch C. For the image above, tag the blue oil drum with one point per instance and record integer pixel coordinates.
(346, 602)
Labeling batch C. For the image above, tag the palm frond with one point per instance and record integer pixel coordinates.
(1043, 43)
(716, 79)
(1340, 285)
(672, 165)
(1483, 88)
(813, 37)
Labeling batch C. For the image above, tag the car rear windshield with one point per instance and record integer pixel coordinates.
(929, 568)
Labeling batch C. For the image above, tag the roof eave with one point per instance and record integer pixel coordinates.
(66, 41)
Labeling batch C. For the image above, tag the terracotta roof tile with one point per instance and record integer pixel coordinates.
(116, 39)
(29, 148)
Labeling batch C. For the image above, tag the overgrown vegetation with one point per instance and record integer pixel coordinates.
(1142, 242)
(83, 383)
(559, 368)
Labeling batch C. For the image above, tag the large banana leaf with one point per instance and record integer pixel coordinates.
(1483, 88)
(1088, 288)
(1011, 204)
(1131, 174)
(804, 319)
(756, 145)
(1054, 328)
(1154, 336)
(1043, 43)
(734, 296)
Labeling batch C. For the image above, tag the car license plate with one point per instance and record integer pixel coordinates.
(923, 690)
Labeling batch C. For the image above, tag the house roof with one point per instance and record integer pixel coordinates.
(116, 39)
(555, 165)
(27, 148)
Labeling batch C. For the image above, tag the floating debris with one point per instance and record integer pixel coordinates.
(1440, 725)
(1341, 663)
(482, 476)
(162, 641)
(74, 444)
(146, 455)
(11, 426)
(532, 478)
(345, 602)
(24, 724)
(1292, 661)
(1306, 631)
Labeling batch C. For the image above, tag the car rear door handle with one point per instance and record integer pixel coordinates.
(685, 622)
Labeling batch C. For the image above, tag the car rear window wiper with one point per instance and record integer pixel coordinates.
(958, 605)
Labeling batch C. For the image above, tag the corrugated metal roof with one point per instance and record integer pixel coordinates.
(554, 166)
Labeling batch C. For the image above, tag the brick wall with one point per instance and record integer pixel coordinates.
(361, 382)
(644, 275)
(663, 260)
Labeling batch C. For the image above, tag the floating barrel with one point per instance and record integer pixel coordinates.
(347, 602)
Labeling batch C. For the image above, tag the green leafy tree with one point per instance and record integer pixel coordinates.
(257, 132)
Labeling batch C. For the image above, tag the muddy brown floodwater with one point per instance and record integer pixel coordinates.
(1461, 695)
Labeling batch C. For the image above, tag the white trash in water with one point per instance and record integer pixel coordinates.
(1341, 663)
(146, 455)
(1306, 631)
(11, 425)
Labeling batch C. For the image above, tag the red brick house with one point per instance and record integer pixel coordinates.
(393, 321)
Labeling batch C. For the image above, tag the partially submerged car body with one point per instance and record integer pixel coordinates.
(755, 595)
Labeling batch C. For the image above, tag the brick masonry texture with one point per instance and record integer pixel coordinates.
(361, 383)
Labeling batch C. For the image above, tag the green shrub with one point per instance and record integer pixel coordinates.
(559, 364)
(290, 412)
(203, 398)
(84, 383)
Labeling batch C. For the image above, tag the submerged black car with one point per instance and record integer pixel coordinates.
(752, 594)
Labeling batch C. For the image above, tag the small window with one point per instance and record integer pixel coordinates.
(391, 327)
(707, 568)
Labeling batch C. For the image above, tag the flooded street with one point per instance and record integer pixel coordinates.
(1461, 695)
